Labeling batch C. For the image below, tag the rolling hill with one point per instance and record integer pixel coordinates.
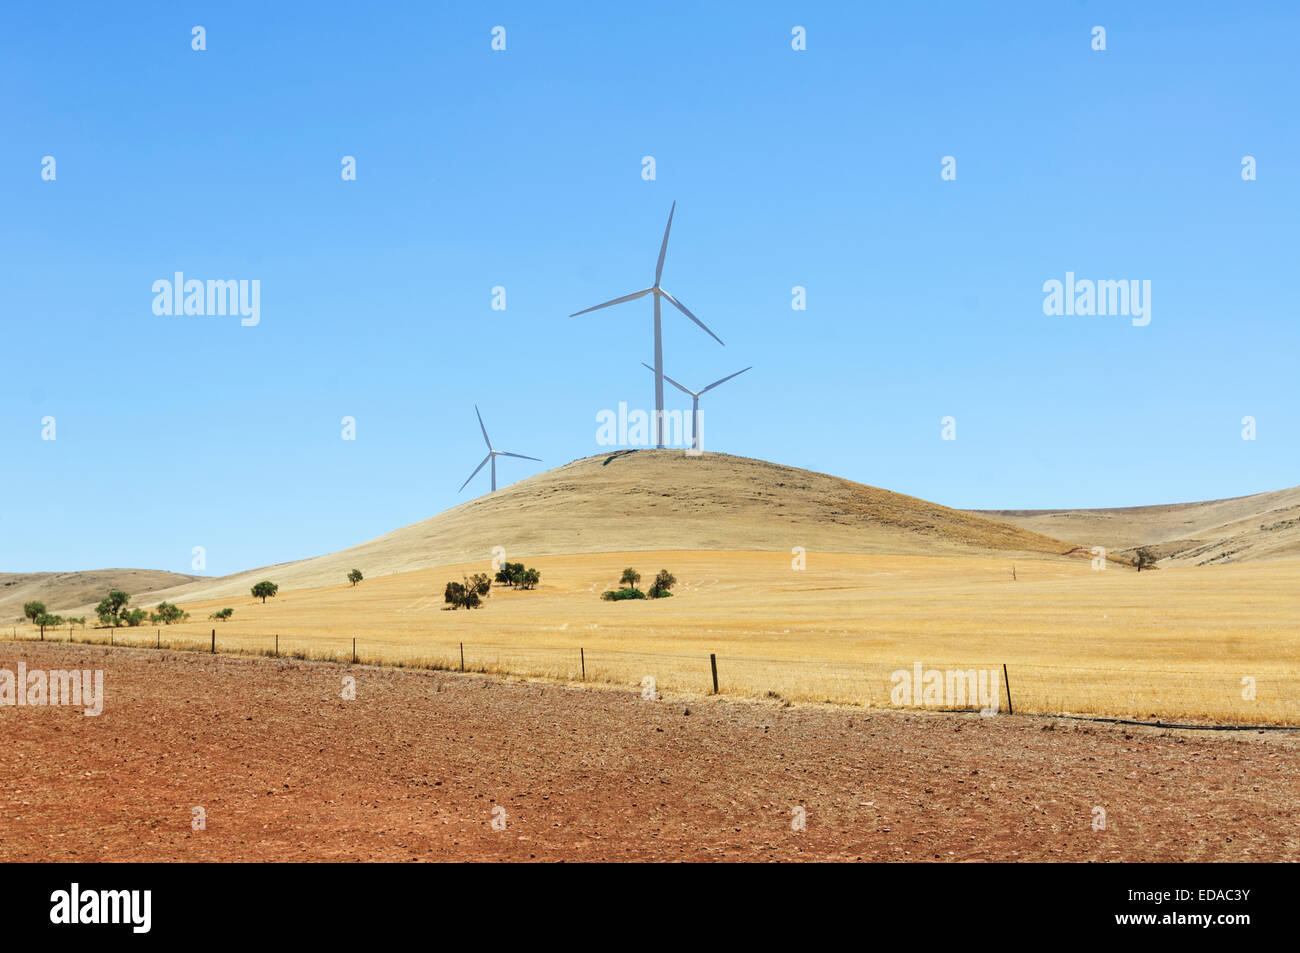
(1260, 526)
(655, 500)
(65, 590)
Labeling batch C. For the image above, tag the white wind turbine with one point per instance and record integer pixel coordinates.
(492, 456)
(658, 293)
(695, 400)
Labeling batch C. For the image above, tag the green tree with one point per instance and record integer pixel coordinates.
(33, 611)
(355, 576)
(47, 621)
(110, 607)
(462, 595)
(629, 578)
(510, 573)
(265, 590)
(134, 617)
(1144, 559)
(663, 582)
(480, 582)
(167, 613)
(529, 579)
(222, 615)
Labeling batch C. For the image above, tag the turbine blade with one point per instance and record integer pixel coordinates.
(663, 249)
(475, 473)
(502, 453)
(686, 311)
(632, 297)
(482, 428)
(684, 390)
(725, 379)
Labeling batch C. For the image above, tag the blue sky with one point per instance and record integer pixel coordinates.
(522, 168)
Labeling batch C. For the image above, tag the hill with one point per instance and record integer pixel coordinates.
(654, 500)
(1259, 526)
(61, 591)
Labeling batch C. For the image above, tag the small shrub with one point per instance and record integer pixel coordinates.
(617, 595)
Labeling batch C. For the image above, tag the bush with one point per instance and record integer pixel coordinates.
(222, 615)
(617, 595)
(134, 617)
(1144, 559)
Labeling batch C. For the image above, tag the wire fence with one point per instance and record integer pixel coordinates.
(1204, 695)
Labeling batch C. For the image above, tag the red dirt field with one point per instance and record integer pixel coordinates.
(412, 768)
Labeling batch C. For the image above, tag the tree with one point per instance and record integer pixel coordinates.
(355, 576)
(264, 590)
(630, 578)
(33, 611)
(1144, 559)
(222, 615)
(110, 607)
(167, 613)
(480, 583)
(663, 582)
(510, 573)
(47, 621)
(134, 617)
(530, 578)
(462, 595)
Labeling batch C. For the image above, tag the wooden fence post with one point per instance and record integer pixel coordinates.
(277, 645)
(582, 654)
(1007, 681)
(214, 641)
(462, 656)
(158, 643)
(354, 651)
(713, 663)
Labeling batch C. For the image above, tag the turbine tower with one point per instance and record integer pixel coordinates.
(695, 400)
(492, 456)
(658, 293)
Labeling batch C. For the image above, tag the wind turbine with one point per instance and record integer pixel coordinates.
(492, 456)
(658, 293)
(695, 400)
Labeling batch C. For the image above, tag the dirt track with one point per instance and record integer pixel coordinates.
(413, 767)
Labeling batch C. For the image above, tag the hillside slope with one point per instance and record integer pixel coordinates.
(61, 591)
(1259, 526)
(658, 500)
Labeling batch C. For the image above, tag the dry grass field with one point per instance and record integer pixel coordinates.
(1169, 644)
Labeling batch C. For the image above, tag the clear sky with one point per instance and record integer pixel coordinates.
(522, 169)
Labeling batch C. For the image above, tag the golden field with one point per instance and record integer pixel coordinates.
(1167, 644)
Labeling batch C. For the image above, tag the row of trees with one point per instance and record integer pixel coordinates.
(630, 580)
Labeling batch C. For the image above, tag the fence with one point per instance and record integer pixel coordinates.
(1202, 695)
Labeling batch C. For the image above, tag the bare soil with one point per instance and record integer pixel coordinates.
(286, 769)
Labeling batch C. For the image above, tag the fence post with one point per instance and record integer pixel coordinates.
(277, 645)
(354, 651)
(582, 654)
(713, 663)
(462, 656)
(158, 643)
(214, 641)
(1007, 682)
(42, 633)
